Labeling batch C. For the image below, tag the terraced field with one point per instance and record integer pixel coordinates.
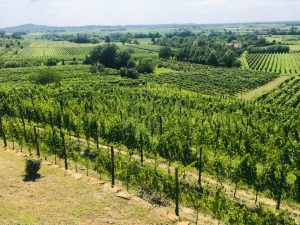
(280, 63)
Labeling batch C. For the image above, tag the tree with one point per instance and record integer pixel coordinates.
(129, 73)
(122, 58)
(51, 62)
(2, 34)
(165, 52)
(229, 58)
(123, 40)
(145, 66)
(107, 39)
(110, 56)
(212, 59)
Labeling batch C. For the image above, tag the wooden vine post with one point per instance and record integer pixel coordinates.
(3, 132)
(65, 149)
(36, 142)
(112, 167)
(200, 168)
(177, 192)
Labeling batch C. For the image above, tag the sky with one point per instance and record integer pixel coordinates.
(129, 12)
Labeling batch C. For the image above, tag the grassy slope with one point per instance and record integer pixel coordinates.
(59, 199)
(254, 94)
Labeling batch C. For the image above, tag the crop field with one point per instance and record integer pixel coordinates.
(188, 128)
(286, 95)
(49, 49)
(171, 122)
(280, 63)
(295, 48)
(285, 39)
(210, 80)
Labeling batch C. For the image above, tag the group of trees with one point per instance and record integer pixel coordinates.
(201, 48)
(269, 49)
(201, 55)
(111, 56)
(277, 31)
(80, 38)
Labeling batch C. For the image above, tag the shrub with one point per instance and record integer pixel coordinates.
(32, 168)
(46, 77)
(129, 73)
(165, 53)
(51, 62)
(145, 66)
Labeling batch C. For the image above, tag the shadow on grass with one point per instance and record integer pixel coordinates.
(31, 178)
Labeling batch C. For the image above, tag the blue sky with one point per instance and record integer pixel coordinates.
(113, 12)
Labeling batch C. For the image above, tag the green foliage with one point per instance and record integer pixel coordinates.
(212, 59)
(229, 58)
(110, 56)
(46, 76)
(145, 66)
(51, 62)
(165, 53)
(269, 49)
(209, 80)
(235, 133)
(129, 73)
(31, 169)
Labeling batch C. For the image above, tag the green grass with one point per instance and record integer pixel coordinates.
(59, 199)
(295, 48)
(256, 93)
(163, 70)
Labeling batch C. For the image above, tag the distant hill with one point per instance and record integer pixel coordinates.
(43, 28)
(29, 28)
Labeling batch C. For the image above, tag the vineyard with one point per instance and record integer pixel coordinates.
(49, 49)
(280, 63)
(286, 95)
(210, 80)
(184, 128)
(236, 143)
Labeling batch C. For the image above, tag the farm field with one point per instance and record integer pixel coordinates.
(51, 49)
(210, 80)
(287, 95)
(193, 127)
(124, 108)
(279, 63)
